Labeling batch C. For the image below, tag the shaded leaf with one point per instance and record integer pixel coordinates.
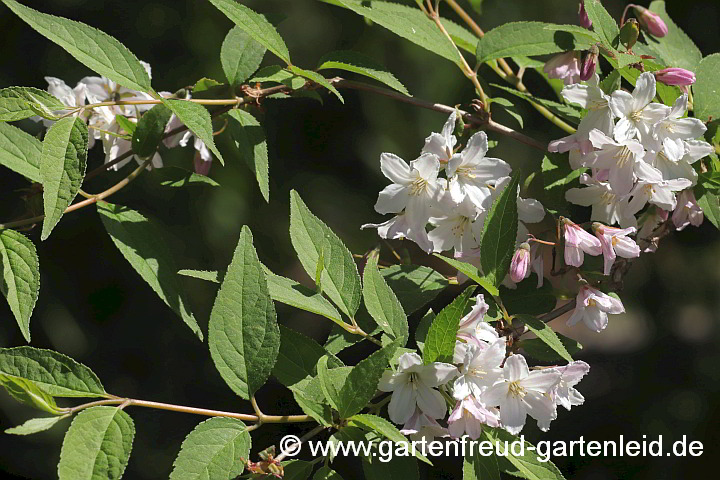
(317, 78)
(497, 243)
(20, 276)
(356, 62)
(440, 340)
(17, 103)
(472, 272)
(249, 140)
(35, 425)
(150, 130)
(197, 119)
(706, 90)
(240, 55)
(28, 393)
(20, 152)
(382, 304)
(539, 350)
(546, 334)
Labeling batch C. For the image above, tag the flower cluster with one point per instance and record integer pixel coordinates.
(103, 123)
(486, 386)
(454, 206)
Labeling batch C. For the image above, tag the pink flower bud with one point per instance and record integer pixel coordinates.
(583, 18)
(520, 263)
(577, 243)
(565, 67)
(675, 76)
(589, 63)
(650, 21)
(687, 212)
(202, 167)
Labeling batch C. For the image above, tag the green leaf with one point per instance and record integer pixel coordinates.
(407, 22)
(709, 180)
(125, 124)
(526, 466)
(710, 205)
(243, 333)
(312, 239)
(532, 38)
(340, 339)
(528, 298)
(298, 357)
(497, 243)
(35, 425)
(240, 55)
(603, 23)
(611, 82)
(422, 329)
(377, 467)
(382, 304)
(440, 340)
(667, 93)
(356, 62)
(216, 449)
(510, 108)
(21, 276)
(472, 272)
(326, 473)
(310, 397)
(150, 130)
(414, 285)
(480, 467)
(317, 78)
(197, 119)
(566, 112)
(141, 242)
(25, 391)
(463, 38)
(55, 373)
(540, 350)
(277, 74)
(20, 152)
(377, 424)
(558, 177)
(296, 470)
(476, 5)
(249, 140)
(546, 334)
(706, 91)
(292, 293)
(255, 25)
(97, 445)
(62, 168)
(170, 176)
(91, 47)
(208, 276)
(17, 103)
(675, 48)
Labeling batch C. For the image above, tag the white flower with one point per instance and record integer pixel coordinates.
(398, 228)
(457, 229)
(620, 158)
(592, 307)
(687, 212)
(615, 241)
(521, 392)
(651, 187)
(637, 116)
(413, 189)
(673, 129)
(468, 416)
(564, 394)
(593, 99)
(414, 385)
(577, 243)
(607, 207)
(480, 369)
(469, 172)
(442, 144)
(473, 327)
(669, 168)
(419, 426)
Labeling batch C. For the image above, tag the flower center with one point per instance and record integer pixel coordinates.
(460, 225)
(478, 372)
(623, 156)
(607, 198)
(413, 380)
(517, 390)
(418, 186)
(636, 116)
(597, 104)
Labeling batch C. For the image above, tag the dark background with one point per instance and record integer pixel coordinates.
(654, 370)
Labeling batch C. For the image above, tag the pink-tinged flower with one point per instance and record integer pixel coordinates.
(565, 67)
(687, 212)
(583, 18)
(650, 21)
(592, 307)
(520, 263)
(590, 59)
(468, 416)
(564, 394)
(651, 222)
(577, 243)
(615, 242)
(420, 427)
(675, 76)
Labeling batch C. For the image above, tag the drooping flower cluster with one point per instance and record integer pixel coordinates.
(487, 386)
(104, 126)
(454, 206)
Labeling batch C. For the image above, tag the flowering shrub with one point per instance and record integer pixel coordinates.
(635, 99)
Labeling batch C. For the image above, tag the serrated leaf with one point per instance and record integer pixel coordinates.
(250, 144)
(477, 466)
(414, 285)
(317, 78)
(675, 48)
(296, 469)
(298, 357)
(277, 74)
(177, 177)
(310, 397)
(55, 373)
(539, 350)
(91, 47)
(532, 38)
(20, 152)
(440, 340)
(706, 90)
(62, 168)
(97, 445)
(207, 275)
(667, 93)
(141, 241)
(125, 124)
(383, 427)
(527, 298)
(243, 333)
(497, 243)
(312, 239)
(709, 203)
(510, 108)
(17, 103)
(150, 130)
(240, 55)
(558, 177)
(216, 449)
(526, 466)
(603, 23)
(382, 304)
(356, 62)
(340, 339)
(197, 119)
(35, 425)
(566, 112)
(255, 25)
(28, 393)
(21, 276)
(472, 272)
(546, 334)
(422, 329)
(326, 473)
(611, 82)
(292, 293)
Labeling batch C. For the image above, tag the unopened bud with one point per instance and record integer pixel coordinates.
(590, 59)
(583, 18)
(675, 76)
(650, 21)
(202, 166)
(520, 263)
(629, 33)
